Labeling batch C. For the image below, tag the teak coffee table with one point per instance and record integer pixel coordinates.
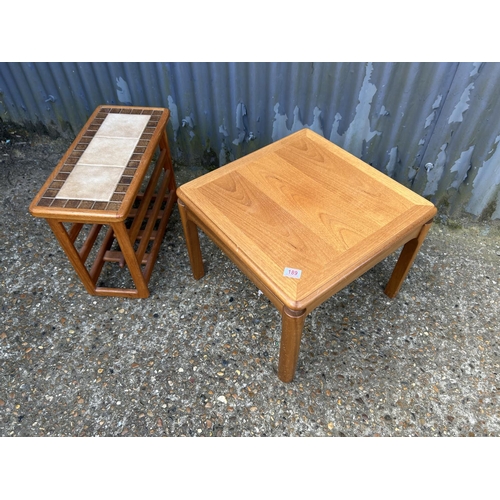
(98, 184)
(302, 218)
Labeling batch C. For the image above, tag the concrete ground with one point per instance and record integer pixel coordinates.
(199, 358)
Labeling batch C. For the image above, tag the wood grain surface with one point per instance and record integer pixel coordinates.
(306, 204)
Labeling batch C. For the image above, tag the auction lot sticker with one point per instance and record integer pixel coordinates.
(292, 273)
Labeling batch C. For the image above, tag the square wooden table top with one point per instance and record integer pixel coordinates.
(304, 215)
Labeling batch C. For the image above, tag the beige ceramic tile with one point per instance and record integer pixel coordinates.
(115, 125)
(91, 182)
(108, 151)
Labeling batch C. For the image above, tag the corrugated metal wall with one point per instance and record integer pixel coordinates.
(432, 126)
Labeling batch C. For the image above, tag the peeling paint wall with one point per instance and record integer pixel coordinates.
(434, 127)
(359, 131)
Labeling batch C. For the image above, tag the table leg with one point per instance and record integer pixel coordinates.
(72, 253)
(405, 261)
(291, 333)
(192, 242)
(133, 264)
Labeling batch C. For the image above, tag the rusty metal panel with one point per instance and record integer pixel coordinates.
(431, 126)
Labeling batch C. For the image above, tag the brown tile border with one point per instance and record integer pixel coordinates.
(49, 197)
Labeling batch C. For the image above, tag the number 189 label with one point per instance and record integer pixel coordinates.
(292, 273)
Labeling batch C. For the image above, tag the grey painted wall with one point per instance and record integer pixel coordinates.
(434, 127)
